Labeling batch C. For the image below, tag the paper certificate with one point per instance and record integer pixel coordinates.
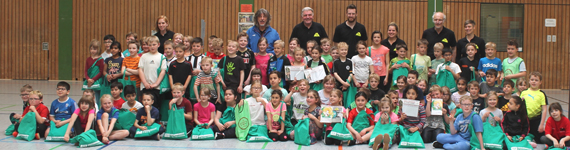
(410, 107)
(332, 114)
(315, 74)
(292, 72)
(436, 107)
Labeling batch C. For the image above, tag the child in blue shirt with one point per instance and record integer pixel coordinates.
(460, 134)
(490, 62)
(62, 108)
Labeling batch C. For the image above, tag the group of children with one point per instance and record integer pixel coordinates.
(212, 89)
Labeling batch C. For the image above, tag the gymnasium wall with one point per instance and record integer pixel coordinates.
(94, 19)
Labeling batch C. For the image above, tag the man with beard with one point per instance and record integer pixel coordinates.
(439, 33)
(308, 30)
(350, 31)
(262, 29)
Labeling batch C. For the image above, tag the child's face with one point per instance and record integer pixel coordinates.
(131, 97)
(360, 102)
(447, 56)
(133, 49)
(471, 51)
(412, 79)
(168, 50)
(334, 54)
(511, 51)
(87, 94)
(299, 56)
(473, 90)
(274, 80)
(62, 91)
(555, 113)
(376, 38)
(292, 46)
(34, 100)
(242, 42)
(93, 51)
(278, 49)
(232, 48)
(147, 100)
(116, 92)
(361, 50)
(255, 90)
(262, 47)
(422, 49)
(84, 106)
(466, 106)
(275, 99)
(343, 51)
(335, 99)
(315, 54)
(326, 47)
(508, 89)
(179, 53)
(436, 94)
(303, 87)
(196, 48)
(25, 95)
(522, 86)
(230, 97)
(210, 44)
(445, 95)
(422, 85)
(411, 94)
(204, 97)
(461, 85)
(492, 101)
(402, 53)
(177, 93)
(186, 43)
(490, 79)
(108, 44)
(490, 52)
(206, 67)
(513, 106)
(311, 99)
(374, 83)
(217, 50)
(256, 77)
(394, 98)
(115, 50)
(534, 82)
(401, 84)
(329, 86)
(310, 46)
(177, 40)
(437, 53)
(154, 46)
(107, 104)
(145, 47)
(385, 108)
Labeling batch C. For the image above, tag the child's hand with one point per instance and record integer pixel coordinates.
(105, 140)
(311, 116)
(413, 129)
(482, 73)
(33, 108)
(273, 131)
(541, 128)
(259, 99)
(218, 101)
(90, 82)
(142, 128)
(240, 89)
(109, 77)
(451, 119)
(497, 118)
(59, 124)
(358, 137)
(486, 114)
(147, 86)
(196, 72)
(206, 126)
(444, 111)
(317, 82)
(345, 84)
(521, 138)
(66, 137)
(403, 116)
(558, 145)
(510, 138)
(428, 98)
(147, 108)
(221, 127)
(279, 132)
(228, 124)
(385, 81)
(396, 66)
(448, 68)
(362, 133)
(561, 145)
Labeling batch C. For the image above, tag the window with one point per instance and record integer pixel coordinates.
(501, 23)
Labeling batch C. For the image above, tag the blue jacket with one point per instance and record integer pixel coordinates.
(254, 35)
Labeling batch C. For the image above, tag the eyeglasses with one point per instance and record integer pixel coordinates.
(60, 89)
(31, 99)
(22, 95)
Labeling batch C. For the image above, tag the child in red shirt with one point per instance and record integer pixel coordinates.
(116, 90)
(356, 122)
(41, 111)
(557, 130)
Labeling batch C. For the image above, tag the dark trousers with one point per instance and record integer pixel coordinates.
(228, 133)
(548, 142)
(430, 134)
(40, 128)
(383, 87)
(331, 141)
(534, 123)
(278, 137)
(78, 129)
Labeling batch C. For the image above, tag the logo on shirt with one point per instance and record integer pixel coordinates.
(490, 65)
(477, 47)
(347, 67)
(316, 35)
(151, 62)
(358, 34)
(230, 68)
(444, 40)
(395, 49)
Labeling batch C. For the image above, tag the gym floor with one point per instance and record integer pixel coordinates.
(10, 102)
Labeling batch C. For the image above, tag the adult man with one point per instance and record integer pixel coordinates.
(308, 30)
(439, 34)
(470, 38)
(262, 29)
(350, 31)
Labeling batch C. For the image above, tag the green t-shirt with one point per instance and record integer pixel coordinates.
(421, 64)
(328, 58)
(434, 64)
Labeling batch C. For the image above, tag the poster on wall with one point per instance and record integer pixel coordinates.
(245, 21)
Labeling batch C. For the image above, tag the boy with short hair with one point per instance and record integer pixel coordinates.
(131, 37)
(116, 90)
(180, 71)
(169, 52)
(508, 88)
(478, 102)
(420, 61)
(279, 61)
(460, 134)
(148, 65)
(216, 51)
(469, 64)
(131, 64)
(148, 115)
(490, 61)
(182, 103)
(326, 47)
(247, 55)
(489, 84)
(108, 40)
(197, 55)
(437, 52)
(132, 104)
(342, 67)
(210, 40)
(513, 66)
(234, 68)
(24, 94)
(536, 103)
(413, 80)
(451, 67)
(41, 111)
(62, 108)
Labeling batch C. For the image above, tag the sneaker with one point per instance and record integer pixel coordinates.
(533, 144)
(437, 145)
(377, 141)
(15, 133)
(219, 136)
(37, 136)
(351, 142)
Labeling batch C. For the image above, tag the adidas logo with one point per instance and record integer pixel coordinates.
(490, 65)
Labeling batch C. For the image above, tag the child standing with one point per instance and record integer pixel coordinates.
(469, 64)
(336, 100)
(148, 65)
(514, 66)
(216, 51)
(556, 130)
(326, 47)
(106, 119)
(40, 110)
(149, 115)
(262, 59)
(188, 46)
(62, 108)
(420, 61)
(204, 111)
(247, 55)
(536, 102)
(522, 84)
(196, 56)
(131, 64)
(274, 79)
(113, 64)
(169, 52)
(279, 61)
(180, 71)
(492, 101)
(83, 117)
(94, 68)
(460, 134)
(225, 124)
(478, 102)
(399, 62)
(342, 67)
(132, 104)
(293, 44)
(131, 37)
(334, 55)
(206, 79)
(380, 58)
(437, 52)
(116, 90)
(276, 111)
(435, 124)
(234, 68)
(182, 103)
(490, 61)
(516, 122)
(360, 121)
(449, 66)
(362, 65)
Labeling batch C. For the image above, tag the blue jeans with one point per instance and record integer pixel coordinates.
(455, 142)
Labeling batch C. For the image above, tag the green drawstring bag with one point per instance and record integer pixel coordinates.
(445, 78)
(86, 139)
(340, 132)
(202, 133)
(243, 121)
(493, 136)
(105, 87)
(190, 90)
(555, 148)
(410, 140)
(92, 72)
(126, 120)
(127, 81)
(164, 86)
(302, 136)
(519, 145)
(380, 128)
(176, 128)
(150, 130)
(10, 130)
(360, 121)
(228, 115)
(348, 95)
(258, 133)
(402, 71)
(316, 86)
(56, 134)
(27, 128)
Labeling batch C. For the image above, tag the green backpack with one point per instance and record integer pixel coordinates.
(380, 128)
(348, 95)
(360, 121)
(258, 133)
(10, 130)
(56, 134)
(520, 145)
(127, 81)
(164, 86)
(340, 132)
(302, 136)
(92, 72)
(126, 120)
(243, 121)
(399, 72)
(176, 128)
(86, 139)
(410, 140)
(202, 133)
(493, 136)
(27, 128)
(445, 78)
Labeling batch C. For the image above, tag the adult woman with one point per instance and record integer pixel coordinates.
(392, 39)
(162, 32)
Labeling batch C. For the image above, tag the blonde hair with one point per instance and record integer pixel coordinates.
(178, 34)
(325, 40)
(299, 50)
(342, 45)
(106, 96)
(373, 76)
(438, 46)
(177, 86)
(329, 78)
(386, 102)
(436, 88)
(27, 88)
(232, 42)
(153, 39)
(145, 40)
(304, 81)
(217, 42)
(38, 93)
(206, 60)
(95, 44)
(187, 38)
(279, 42)
(465, 98)
(205, 91)
(338, 93)
(491, 45)
(489, 94)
